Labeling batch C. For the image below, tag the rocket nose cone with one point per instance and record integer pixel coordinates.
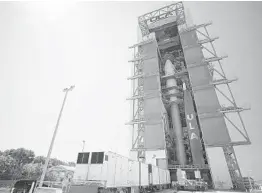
(184, 86)
(169, 68)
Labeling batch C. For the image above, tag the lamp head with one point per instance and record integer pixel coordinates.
(69, 89)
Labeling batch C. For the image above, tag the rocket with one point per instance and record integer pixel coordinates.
(174, 112)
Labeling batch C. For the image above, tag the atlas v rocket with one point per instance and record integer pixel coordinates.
(193, 131)
(174, 110)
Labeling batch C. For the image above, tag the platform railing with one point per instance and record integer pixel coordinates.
(188, 166)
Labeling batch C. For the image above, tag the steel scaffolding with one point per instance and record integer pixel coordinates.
(138, 120)
(212, 61)
(215, 67)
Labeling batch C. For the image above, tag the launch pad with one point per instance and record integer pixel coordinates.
(177, 114)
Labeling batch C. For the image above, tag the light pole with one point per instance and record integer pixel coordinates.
(66, 90)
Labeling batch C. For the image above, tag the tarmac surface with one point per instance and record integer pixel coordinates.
(7, 190)
(4, 190)
(209, 191)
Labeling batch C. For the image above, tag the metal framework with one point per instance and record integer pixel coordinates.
(215, 67)
(176, 9)
(137, 98)
(146, 21)
(233, 167)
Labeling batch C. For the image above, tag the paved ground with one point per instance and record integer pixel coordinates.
(167, 191)
(4, 190)
(7, 190)
(173, 191)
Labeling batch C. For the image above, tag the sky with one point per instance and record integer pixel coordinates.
(46, 47)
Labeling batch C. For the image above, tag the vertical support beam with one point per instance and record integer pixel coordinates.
(139, 174)
(138, 106)
(233, 167)
(141, 126)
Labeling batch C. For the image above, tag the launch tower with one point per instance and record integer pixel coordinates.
(176, 111)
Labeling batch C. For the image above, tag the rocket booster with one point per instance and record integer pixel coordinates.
(193, 130)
